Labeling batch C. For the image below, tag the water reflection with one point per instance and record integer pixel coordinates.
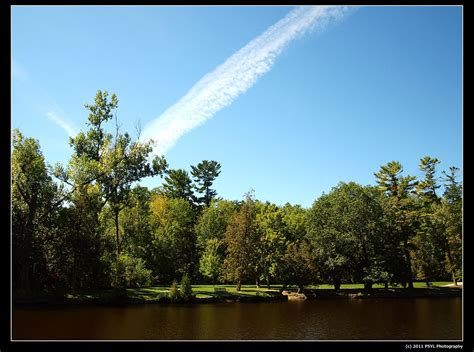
(324, 319)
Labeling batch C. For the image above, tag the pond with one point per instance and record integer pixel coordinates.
(318, 319)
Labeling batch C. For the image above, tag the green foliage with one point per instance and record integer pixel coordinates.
(428, 186)
(101, 110)
(273, 236)
(401, 208)
(390, 180)
(135, 221)
(174, 294)
(178, 184)
(295, 219)
(106, 164)
(35, 206)
(439, 236)
(213, 222)
(95, 230)
(174, 243)
(344, 225)
(186, 289)
(204, 175)
(210, 264)
(299, 265)
(127, 271)
(452, 188)
(428, 255)
(241, 239)
(449, 220)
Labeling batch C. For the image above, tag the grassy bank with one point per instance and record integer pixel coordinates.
(228, 293)
(361, 286)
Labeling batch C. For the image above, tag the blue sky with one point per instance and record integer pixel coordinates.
(381, 84)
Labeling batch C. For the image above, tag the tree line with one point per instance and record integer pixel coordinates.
(89, 224)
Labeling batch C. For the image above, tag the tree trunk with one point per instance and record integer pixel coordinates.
(72, 274)
(451, 264)
(257, 282)
(367, 285)
(337, 284)
(116, 214)
(386, 285)
(239, 284)
(408, 261)
(268, 282)
(25, 281)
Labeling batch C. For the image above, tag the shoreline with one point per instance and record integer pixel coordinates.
(311, 294)
(431, 292)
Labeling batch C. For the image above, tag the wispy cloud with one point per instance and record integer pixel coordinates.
(43, 101)
(18, 71)
(236, 75)
(62, 122)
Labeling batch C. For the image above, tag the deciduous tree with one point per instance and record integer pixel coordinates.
(241, 239)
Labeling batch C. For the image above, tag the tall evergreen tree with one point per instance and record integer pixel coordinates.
(178, 184)
(204, 175)
(427, 187)
(450, 219)
(429, 251)
(399, 201)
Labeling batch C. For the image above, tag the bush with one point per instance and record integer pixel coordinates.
(174, 294)
(186, 288)
(128, 271)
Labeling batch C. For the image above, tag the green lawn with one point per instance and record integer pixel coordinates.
(148, 293)
(207, 291)
(201, 291)
(361, 286)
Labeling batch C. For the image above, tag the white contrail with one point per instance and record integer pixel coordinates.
(70, 130)
(236, 75)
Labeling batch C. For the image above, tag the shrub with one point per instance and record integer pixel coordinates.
(186, 288)
(128, 271)
(174, 294)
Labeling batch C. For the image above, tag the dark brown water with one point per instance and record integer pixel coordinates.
(324, 319)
